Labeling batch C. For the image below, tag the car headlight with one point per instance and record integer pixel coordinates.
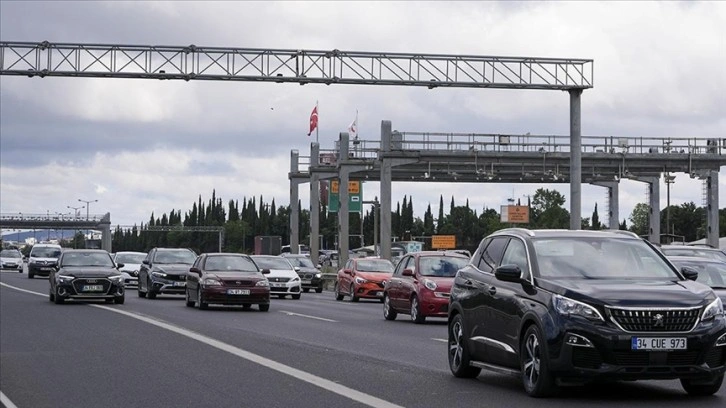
(569, 307)
(431, 285)
(115, 278)
(713, 309)
(318, 275)
(295, 279)
(211, 282)
(158, 274)
(359, 280)
(263, 283)
(65, 278)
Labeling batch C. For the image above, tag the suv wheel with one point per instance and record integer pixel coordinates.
(31, 275)
(388, 312)
(119, 300)
(150, 290)
(458, 354)
(536, 377)
(264, 307)
(416, 315)
(700, 388)
(200, 303)
(319, 289)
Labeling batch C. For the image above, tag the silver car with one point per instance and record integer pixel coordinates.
(132, 264)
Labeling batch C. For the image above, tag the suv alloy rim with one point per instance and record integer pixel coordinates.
(455, 348)
(531, 359)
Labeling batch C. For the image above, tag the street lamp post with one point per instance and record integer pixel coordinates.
(75, 217)
(88, 205)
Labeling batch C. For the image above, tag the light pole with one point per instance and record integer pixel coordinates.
(669, 179)
(75, 217)
(88, 205)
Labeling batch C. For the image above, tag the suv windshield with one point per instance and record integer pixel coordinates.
(10, 253)
(181, 256)
(600, 258)
(374, 265)
(699, 252)
(230, 264)
(300, 261)
(86, 259)
(45, 252)
(445, 266)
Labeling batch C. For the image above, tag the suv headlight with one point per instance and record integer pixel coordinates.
(359, 280)
(211, 282)
(263, 283)
(431, 285)
(116, 278)
(158, 274)
(318, 275)
(713, 309)
(569, 307)
(65, 278)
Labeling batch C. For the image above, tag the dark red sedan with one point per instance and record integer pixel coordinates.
(227, 279)
(421, 284)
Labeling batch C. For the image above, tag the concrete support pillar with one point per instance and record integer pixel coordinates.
(343, 215)
(575, 160)
(385, 185)
(314, 204)
(654, 219)
(294, 208)
(613, 202)
(712, 227)
(105, 227)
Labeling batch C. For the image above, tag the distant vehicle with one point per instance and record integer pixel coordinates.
(164, 270)
(302, 249)
(86, 274)
(570, 307)
(689, 250)
(11, 259)
(421, 284)
(132, 264)
(310, 276)
(363, 278)
(227, 279)
(711, 272)
(268, 244)
(42, 259)
(282, 277)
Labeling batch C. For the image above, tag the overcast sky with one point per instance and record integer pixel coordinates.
(139, 146)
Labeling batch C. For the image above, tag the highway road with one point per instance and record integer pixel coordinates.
(312, 352)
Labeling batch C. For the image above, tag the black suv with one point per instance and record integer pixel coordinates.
(310, 276)
(165, 271)
(567, 307)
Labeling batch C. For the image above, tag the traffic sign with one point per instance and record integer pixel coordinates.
(355, 196)
(443, 241)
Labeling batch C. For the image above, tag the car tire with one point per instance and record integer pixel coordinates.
(338, 296)
(247, 306)
(416, 315)
(200, 303)
(458, 353)
(702, 389)
(149, 290)
(58, 300)
(264, 307)
(119, 300)
(296, 296)
(388, 312)
(534, 362)
(51, 296)
(319, 290)
(306, 290)
(281, 296)
(189, 302)
(138, 290)
(353, 297)
(31, 275)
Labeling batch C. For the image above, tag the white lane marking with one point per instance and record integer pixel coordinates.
(323, 383)
(441, 340)
(6, 401)
(308, 316)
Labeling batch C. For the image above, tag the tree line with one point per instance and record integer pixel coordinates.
(241, 222)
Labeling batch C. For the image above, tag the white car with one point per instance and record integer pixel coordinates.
(132, 264)
(11, 259)
(282, 277)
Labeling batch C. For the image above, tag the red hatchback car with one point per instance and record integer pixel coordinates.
(363, 278)
(421, 284)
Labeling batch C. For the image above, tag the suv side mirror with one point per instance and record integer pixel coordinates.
(265, 271)
(297, 269)
(508, 273)
(689, 273)
(120, 265)
(347, 271)
(145, 262)
(407, 272)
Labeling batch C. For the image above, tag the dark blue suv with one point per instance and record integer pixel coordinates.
(563, 307)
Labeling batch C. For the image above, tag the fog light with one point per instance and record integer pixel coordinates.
(577, 340)
(721, 340)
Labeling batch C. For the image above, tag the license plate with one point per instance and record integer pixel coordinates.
(658, 343)
(93, 288)
(180, 283)
(46, 269)
(277, 285)
(306, 282)
(238, 291)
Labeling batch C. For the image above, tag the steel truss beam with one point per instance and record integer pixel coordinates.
(297, 66)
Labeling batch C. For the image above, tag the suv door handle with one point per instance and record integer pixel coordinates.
(492, 290)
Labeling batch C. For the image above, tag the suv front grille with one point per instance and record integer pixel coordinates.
(655, 320)
(586, 357)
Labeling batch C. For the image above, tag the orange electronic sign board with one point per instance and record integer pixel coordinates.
(353, 187)
(443, 241)
(515, 214)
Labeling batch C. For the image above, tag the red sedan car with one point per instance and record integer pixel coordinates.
(363, 278)
(227, 279)
(421, 284)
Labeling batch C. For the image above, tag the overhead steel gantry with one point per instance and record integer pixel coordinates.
(46, 221)
(46, 59)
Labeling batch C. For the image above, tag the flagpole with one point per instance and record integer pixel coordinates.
(317, 128)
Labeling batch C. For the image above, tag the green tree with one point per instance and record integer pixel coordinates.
(595, 220)
(548, 210)
(639, 219)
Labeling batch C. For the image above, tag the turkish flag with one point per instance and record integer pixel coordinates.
(313, 120)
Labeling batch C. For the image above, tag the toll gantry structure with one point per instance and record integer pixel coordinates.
(25, 221)
(498, 158)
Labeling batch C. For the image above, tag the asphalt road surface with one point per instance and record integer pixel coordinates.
(312, 352)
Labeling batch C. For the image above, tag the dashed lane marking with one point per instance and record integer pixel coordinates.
(307, 316)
